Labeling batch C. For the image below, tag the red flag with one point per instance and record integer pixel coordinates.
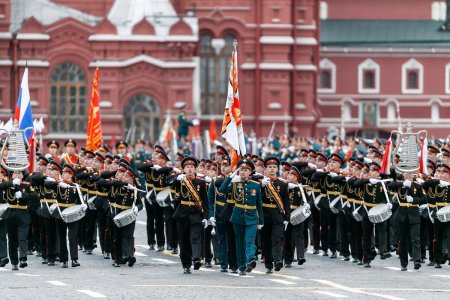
(94, 129)
(212, 130)
(232, 130)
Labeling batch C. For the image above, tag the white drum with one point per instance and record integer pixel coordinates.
(124, 218)
(72, 214)
(443, 214)
(164, 198)
(300, 214)
(379, 213)
(3, 208)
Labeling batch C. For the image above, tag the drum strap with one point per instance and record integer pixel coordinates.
(273, 192)
(194, 194)
(385, 192)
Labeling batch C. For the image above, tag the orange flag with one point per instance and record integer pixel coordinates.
(232, 129)
(94, 129)
(212, 130)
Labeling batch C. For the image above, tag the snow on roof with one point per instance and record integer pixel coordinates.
(124, 14)
(46, 12)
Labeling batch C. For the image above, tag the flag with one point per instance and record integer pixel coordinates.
(94, 129)
(423, 164)
(386, 162)
(166, 130)
(24, 117)
(212, 130)
(232, 130)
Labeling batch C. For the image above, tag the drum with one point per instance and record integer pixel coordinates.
(72, 214)
(379, 213)
(300, 214)
(443, 214)
(359, 213)
(3, 208)
(163, 198)
(91, 203)
(124, 218)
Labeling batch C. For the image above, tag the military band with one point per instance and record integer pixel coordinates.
(211, 213)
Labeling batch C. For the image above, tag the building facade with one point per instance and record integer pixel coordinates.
(156, 56)
(384, 63)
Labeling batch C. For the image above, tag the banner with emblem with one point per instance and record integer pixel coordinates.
(94, 129)
(232, 129)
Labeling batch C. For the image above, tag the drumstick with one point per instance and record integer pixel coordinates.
(136, 189)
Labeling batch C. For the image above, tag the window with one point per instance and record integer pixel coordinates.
(142, 119)
(368, 77)
(391, 112)
(323, 10)
(215, 60)
(412, 77)
(68, 99)
(435, 112)
(347, 111)
(438, 10)
(447, 78)
(327, 76)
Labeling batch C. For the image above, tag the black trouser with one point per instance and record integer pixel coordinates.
(42, 237)
(393, 227)
(315, 227)
(272, 243)
(17, 225)
(124, 241)
(52, 238)
(231, 244)
(324, 229)
(409, 238)
(82, 232)
(356, 239)
(62, 233)
(441, 230)
(3, 242)
(369, 252)
(155, 224)
(116, 246)
(34, 232)
(171, 227)
(90, 219)
(332, 230)
(344, 222)
(190, 241)
(430, 234)
(104, 233)
(294, 239)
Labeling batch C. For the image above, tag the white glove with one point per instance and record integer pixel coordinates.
(292, 185)
(48, 156)
(367, 160)
(420, 180)
(83, 207)
(407, 183)
(135, 210)
(181, 177)
(373, 181)
(259, 226)
(19, 195)
(63, 185)
(212, 221)
(177, 170)
(205, 223)
(286, 223)
(389, 205)
(443, 183)
(409, 199)
(208, 179)
(307, 205)
(311, 166)
(265, 181)
(130, 187)
(50, 179)
(156, 167)
(236, 178)
(234, 173)
(332, 174)
(16, 181)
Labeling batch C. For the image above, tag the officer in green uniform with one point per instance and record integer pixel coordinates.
(247, 214)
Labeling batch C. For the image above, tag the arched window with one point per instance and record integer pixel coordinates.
(142, 119)
(412, 77)
(368, 77)
(347, 111)
(391, 112)
(215, 58)
(68, 99)
(435, 112)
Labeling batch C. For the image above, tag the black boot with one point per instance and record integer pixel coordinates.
(65, 265)
(23, 263)
(75, 263)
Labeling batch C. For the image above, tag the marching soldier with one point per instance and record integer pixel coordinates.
(70, 157)
(3, 230)
(52, 154)
(247, 213)
(190, 214)
(276, 208)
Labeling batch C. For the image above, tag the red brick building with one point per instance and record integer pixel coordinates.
(381, 60)
(157, 55)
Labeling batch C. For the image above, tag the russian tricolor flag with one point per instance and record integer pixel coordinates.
(24, 116)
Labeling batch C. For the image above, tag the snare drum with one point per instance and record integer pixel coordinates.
(300, 214)
(379, 213)
(164, 198)
(72, 214)
(3, 208)
(124, 218)
(443, 214)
